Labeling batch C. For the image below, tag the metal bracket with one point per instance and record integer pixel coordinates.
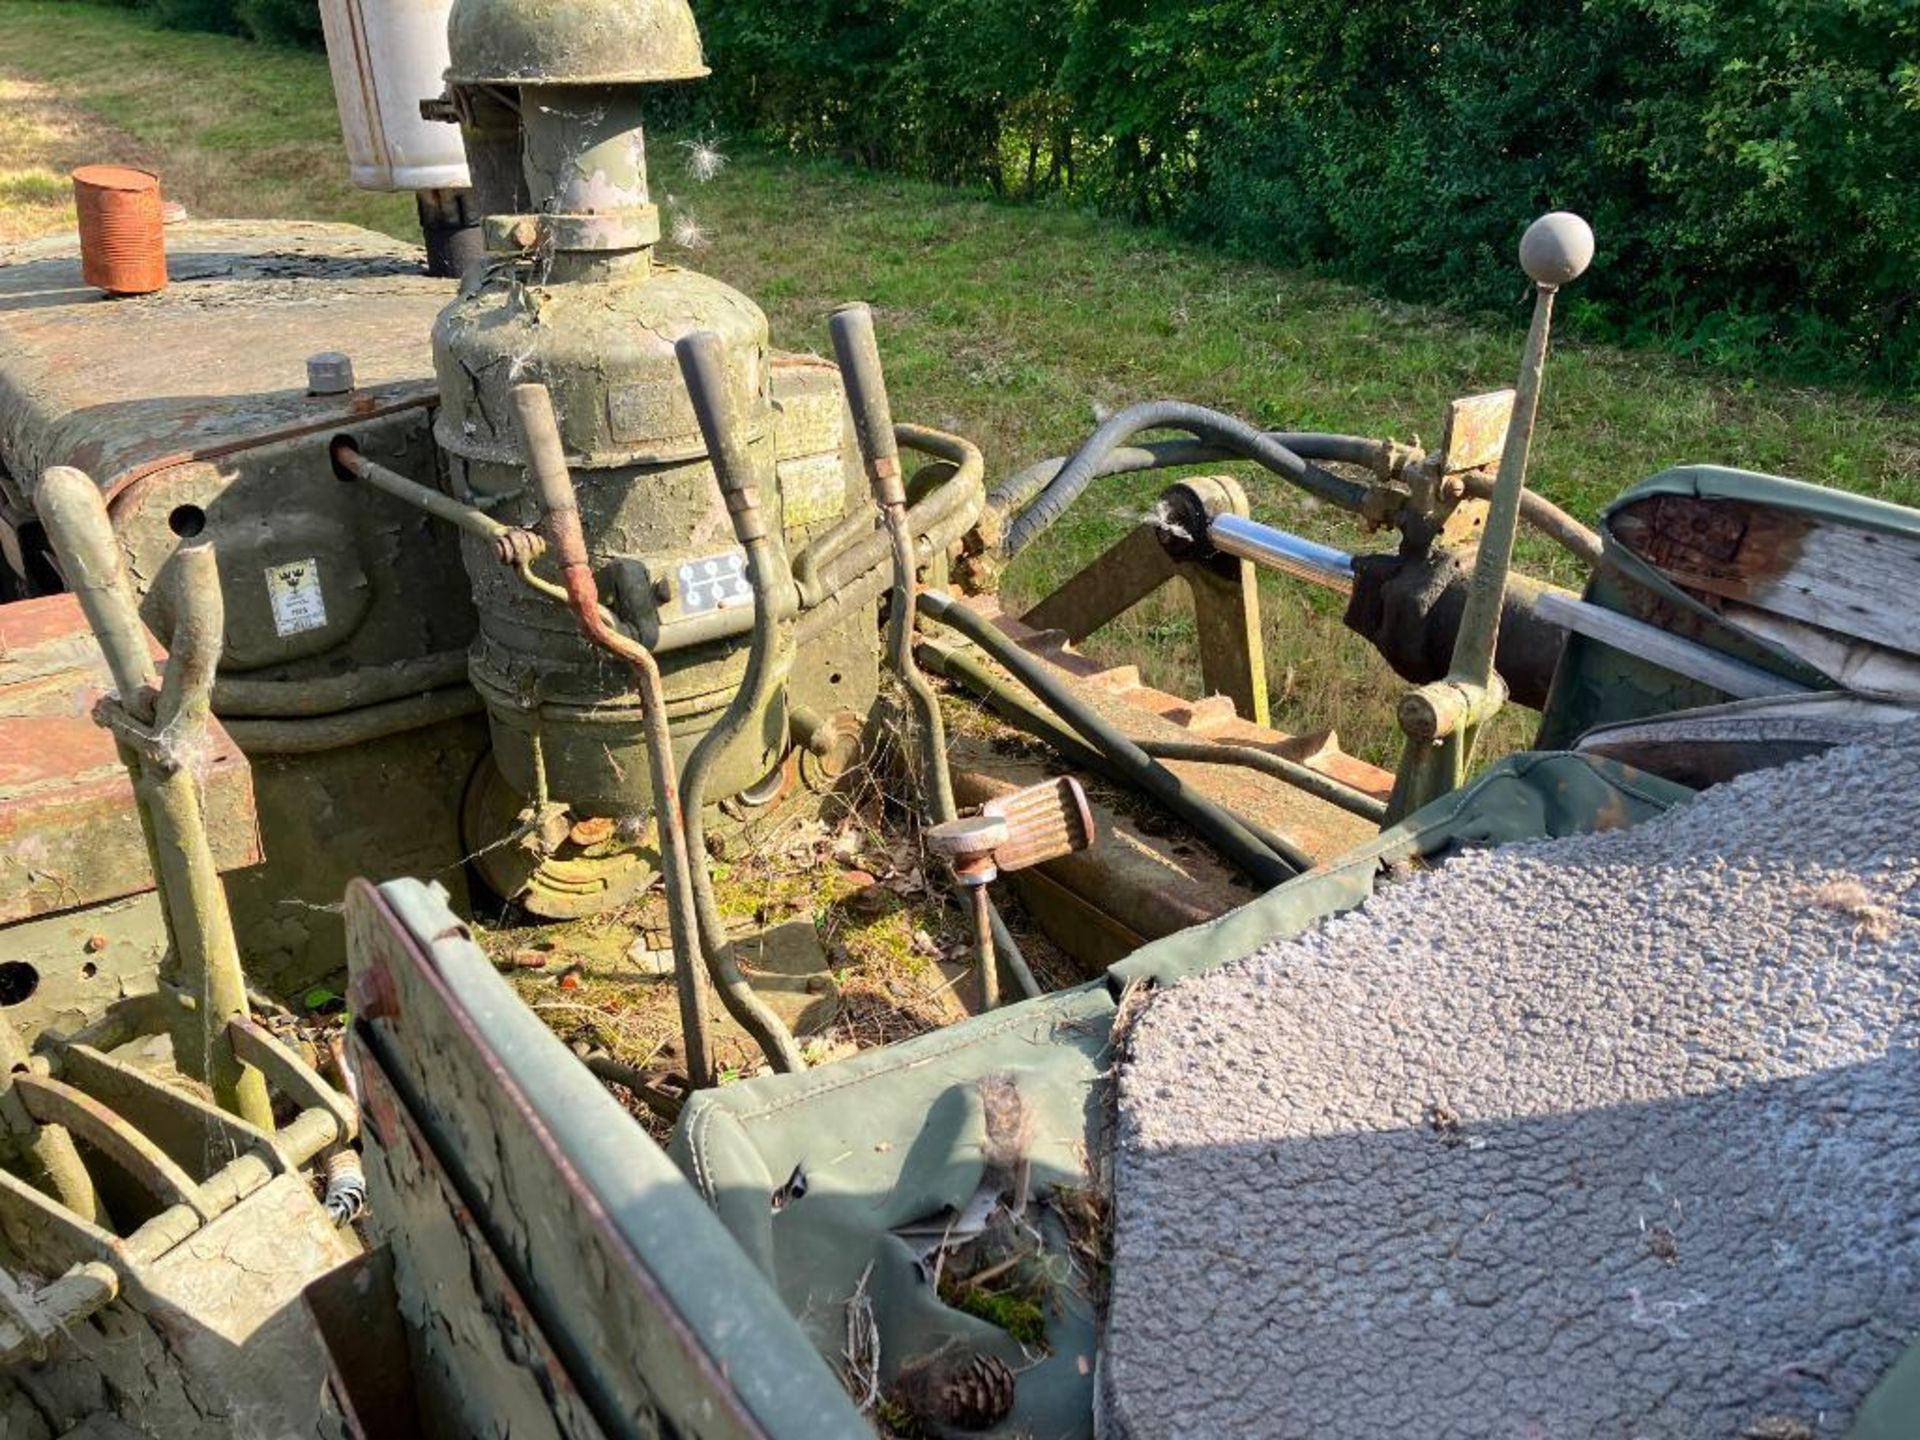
(1225, 591)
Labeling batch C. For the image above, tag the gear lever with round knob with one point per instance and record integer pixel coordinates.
(1443, 720)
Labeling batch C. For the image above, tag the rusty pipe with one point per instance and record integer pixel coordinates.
(509, 545)
(1548, 519)
(553, 482)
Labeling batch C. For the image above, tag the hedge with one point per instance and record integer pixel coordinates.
(278, 22)
(1752, 166)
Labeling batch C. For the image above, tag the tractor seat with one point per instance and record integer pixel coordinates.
(1610, 1135)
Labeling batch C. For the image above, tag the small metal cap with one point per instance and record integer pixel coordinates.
(581, 42)
(329, 373)
(1557, 248)
(959, 841)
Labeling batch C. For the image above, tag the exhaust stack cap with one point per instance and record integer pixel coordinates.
(580, 42)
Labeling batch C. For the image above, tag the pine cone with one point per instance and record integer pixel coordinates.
(969, 1392)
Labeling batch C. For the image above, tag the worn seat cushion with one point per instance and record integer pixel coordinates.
(1615, 1135)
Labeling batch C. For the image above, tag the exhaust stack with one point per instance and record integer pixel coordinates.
(387, 59)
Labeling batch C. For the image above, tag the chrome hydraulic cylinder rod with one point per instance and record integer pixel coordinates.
(1277, 550)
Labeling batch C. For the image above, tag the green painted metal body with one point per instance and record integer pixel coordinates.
(1597, 685)
(599, 333)
(559, 1276)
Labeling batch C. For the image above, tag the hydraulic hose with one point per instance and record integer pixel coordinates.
(1015, 493)
(1234, 438)
(703, 363)
(1539, 513)
(1266, 864)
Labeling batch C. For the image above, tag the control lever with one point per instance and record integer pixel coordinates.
(159, 724)
(1442, 721)
(1015, 832)
(560, 511)
(858, 352)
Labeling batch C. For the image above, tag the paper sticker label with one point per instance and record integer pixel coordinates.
(298, 605)
(718, 582)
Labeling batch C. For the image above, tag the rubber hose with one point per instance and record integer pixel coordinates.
(1222, 431)
(1223, 830)
(1015, 493)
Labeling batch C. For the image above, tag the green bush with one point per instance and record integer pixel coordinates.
(282, 22)
(1749, 164)
(279, 22)
(215, 15)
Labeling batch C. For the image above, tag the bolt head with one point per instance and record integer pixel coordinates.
(329, 373)
(1556, 249)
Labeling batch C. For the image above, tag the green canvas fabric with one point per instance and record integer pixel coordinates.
(897, 1135)
(1892, 1412)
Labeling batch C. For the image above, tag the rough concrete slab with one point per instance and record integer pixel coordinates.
(1612, 1136)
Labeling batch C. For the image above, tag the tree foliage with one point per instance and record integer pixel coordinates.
(1749, 164)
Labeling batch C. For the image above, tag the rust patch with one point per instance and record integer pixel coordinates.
(1725, 547)
(69, 831)
(217, 361)
(1476, 431)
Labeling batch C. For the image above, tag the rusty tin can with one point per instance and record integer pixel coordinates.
(121, 227)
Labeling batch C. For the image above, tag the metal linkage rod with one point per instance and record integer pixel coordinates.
(546, 460)
(160, 732)
(1279, 551)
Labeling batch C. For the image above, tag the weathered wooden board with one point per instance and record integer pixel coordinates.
(1847, 579)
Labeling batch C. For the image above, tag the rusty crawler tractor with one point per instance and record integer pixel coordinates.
(1273, 1093)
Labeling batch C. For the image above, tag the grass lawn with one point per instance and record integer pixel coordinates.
(1012, 325)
